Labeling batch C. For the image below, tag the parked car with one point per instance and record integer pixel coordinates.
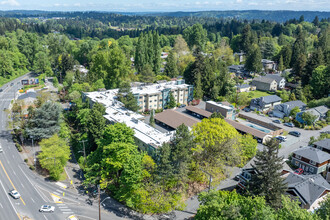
(1, 90)
(14, 194)
(281, 138)
(11, 84)
(299, 171)
(277, 121)
(47, 208)
(295, 133)
(289, 124)
(182, 106)
(247, 109)
(1, 149)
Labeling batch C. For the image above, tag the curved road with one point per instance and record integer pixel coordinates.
(34, 190)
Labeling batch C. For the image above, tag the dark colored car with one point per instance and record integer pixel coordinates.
(299, 171)
(277, 121)
(280, 139)
(247, 109)
(295, 133)
(289, 124)
(182, 106)
(1, 90)
(11, 84)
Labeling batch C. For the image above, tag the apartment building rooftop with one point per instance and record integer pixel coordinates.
(117, 113)
(142, 88)
(220, 105)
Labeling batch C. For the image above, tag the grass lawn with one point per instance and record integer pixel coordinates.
(257, 94)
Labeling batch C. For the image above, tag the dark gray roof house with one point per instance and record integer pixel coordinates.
(308, 188)
(323, 145)
(264, 83)
(265, 102)
(313, 154)
(279, 80)
(284, 109)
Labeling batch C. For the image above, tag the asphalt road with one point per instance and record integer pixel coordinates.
(35, 190)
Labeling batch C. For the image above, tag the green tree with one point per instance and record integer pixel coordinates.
(308, 118)
(171, 102)
(290, 209)
(152, 118)
(294, 111)
(280, 66)
(96, 124)
(171, 68)
(320, 81)
(324, 211)
(315, 60)
(54, 155)
(216, 115)
(45, 121)
(253, 60)
(267, 181)
(292, 97)
(216, 136)
(147, 75)
(231, 205)
(131, 102)
(42, 63)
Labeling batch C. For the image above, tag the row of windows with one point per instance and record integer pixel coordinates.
(306, 168)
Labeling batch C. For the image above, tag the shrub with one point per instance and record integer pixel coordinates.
(25, 160)
(19, 147)
(32, 167)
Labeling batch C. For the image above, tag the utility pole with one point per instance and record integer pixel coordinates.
(98, 189)
(83, 141)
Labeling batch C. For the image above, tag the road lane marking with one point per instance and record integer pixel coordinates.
(14, 173)
(10, 180)
(33, 200)
(32, 184)
(45, 217)
(1, 205)
(10, 201)
(22, 185)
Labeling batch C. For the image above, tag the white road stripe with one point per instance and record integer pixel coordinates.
(33, 200)
(56, 193)
(64, 210)
(22, 185)
(1, 205)
(14, 172)
(67, 212)
(45, 217)
(60, 191)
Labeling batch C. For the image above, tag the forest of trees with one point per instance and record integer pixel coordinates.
(199, 49)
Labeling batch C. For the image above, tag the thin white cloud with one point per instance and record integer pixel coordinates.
(239, 1)
(10, 3)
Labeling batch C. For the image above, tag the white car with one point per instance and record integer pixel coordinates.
(1, 149)
(15, 194)
(47, 208)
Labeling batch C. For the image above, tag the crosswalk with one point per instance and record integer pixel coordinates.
(64, 208)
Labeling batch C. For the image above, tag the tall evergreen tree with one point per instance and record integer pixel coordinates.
(280, 66)
(316, 21)
(246, 39)
(298, 66)
(315, 60)
(298, 50)
(152, 118)
(286, 53)
(140, 53)
(171, 68)
(157, 52)
(253, 60)
(268, 181)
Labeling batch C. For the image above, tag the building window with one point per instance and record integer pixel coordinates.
(298, 157)
(312, 162)
(311, 169)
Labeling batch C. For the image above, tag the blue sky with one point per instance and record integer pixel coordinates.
(164, 5)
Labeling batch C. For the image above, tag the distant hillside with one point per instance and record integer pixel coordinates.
(279, 16)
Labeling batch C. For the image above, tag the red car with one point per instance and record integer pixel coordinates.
(299, 171)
